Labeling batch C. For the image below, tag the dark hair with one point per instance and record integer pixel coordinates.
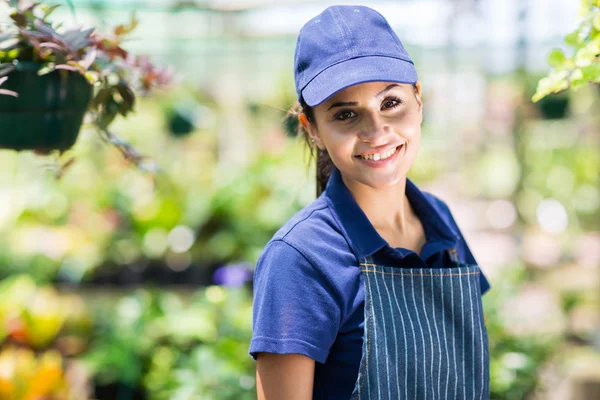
(324, 163)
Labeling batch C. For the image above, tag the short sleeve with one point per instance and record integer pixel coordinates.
(464, 252)
(295, 309)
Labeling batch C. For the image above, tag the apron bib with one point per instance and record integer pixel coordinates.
(424, 334)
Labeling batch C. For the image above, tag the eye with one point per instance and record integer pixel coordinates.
(391, 102)
(344, 115)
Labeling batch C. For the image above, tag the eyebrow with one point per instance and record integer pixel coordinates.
(354, 103)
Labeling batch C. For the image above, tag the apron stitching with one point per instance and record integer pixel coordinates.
(472, 338)
(439, 342)
(395, 334)
(386, 351)
(368, 342)
(462, 313)
(404, 330)
(402, 274)
(430, 334)
(374, 340)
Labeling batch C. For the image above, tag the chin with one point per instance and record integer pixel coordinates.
(381, 182)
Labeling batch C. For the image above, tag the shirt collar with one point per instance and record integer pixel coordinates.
(363, 238)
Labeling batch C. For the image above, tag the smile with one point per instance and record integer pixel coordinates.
(380, 156)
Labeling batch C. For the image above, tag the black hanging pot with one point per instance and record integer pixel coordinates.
(49, 111)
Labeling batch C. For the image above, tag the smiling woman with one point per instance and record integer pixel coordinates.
(342, 112)
(370, 291)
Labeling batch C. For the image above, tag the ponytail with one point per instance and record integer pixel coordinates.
(323, 162)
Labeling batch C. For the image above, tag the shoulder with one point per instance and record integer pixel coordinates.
(313, 232)
(310, 245)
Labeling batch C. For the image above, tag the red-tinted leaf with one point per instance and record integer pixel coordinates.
(78, 39)
(5, 69)
(68, 67)
(89, 59)
(6, 36)
(8, 93)
(126, 29)
(10, 44)
(51, 45)
(19, 18)
(36, 34)
(45, 28)
(30, 7)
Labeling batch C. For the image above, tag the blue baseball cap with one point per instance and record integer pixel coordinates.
(344, 46)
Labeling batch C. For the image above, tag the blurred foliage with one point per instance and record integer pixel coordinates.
(41, 335)
(516, 359)
(27, 375)
(199, 211)
(177, 348)
(583, 66)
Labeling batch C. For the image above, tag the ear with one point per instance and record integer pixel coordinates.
(418, 97)
(311, 130)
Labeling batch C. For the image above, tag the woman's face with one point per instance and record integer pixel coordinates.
(371, 131)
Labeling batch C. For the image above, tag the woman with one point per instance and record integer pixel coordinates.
(371, 290)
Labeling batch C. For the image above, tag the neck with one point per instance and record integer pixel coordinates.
(388, 210)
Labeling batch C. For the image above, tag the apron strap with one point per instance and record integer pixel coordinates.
(366, 261)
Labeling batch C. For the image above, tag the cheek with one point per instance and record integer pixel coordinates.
(339, 146)
(409, 127)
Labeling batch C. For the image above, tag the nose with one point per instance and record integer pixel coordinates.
(373, 130)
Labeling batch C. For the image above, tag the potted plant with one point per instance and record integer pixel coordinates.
(53, 77)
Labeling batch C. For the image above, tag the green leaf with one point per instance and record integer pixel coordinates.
(591, 73)
(49, 11)
(92, 77)
(556, 58)
(573, 39)
(553, 83)
(128, 98)
(597, 21)
(111, 109)
(101, 97)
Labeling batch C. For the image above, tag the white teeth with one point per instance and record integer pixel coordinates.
(379, 156)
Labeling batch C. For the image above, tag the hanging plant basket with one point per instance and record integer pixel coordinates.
(49, 111)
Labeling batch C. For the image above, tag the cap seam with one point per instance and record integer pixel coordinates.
(341, 30)
(353, 58)
(349, 48)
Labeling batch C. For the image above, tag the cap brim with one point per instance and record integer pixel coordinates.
(355, 71)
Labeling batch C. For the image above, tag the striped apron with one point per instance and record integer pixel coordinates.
(424, 333)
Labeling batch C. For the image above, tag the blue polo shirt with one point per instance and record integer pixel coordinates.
(308, 290)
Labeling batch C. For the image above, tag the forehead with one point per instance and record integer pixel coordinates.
(367, 89)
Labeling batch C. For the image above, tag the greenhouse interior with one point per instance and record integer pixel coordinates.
(127, 258)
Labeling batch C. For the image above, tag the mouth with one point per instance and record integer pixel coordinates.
(381, 156)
